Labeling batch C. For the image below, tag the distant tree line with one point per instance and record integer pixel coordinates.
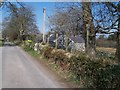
(106, 41)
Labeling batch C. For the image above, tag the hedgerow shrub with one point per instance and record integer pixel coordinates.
(47, 52)
(84, 68)
(26, 48)
(100, 72)
(59, 57)
(108, 77)
(107, 55)
(28, 42)
(95, 73)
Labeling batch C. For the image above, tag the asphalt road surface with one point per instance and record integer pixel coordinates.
(20, 70)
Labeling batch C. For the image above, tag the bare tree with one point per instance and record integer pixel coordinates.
(21, 23)
(69, 20)
(107, 19)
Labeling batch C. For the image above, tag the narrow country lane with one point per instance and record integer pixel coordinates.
(19, 70)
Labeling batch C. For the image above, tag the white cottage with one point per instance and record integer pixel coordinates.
(75, 43)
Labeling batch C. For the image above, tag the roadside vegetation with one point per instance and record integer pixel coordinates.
(83, 71)
(1, 43)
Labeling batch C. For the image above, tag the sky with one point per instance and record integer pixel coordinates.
(38, 11)
(37, 8)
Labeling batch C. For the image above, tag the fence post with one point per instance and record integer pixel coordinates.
(66, 41)
(48, 38)
(56, 46)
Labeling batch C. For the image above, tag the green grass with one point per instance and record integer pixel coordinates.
(1, 43)
(31, 51)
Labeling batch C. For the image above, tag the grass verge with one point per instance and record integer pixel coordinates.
(1, 43)
(31, 51)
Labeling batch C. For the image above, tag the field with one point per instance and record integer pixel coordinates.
(104, 49)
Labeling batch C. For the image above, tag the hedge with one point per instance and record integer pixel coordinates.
(91, 72)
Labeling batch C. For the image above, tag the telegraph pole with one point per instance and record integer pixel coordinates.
(44, 16)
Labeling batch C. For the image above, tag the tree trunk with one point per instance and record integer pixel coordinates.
(89, 30)
(118, 46)
(118, 41)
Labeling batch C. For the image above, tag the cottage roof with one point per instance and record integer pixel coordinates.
(52, 37)
(77, 39)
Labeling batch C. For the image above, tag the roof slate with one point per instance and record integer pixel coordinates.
(76, 39)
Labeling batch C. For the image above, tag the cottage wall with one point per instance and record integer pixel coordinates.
(78, 47)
